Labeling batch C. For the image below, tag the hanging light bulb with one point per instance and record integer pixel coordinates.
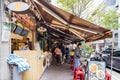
(18, 6)
(41, 29)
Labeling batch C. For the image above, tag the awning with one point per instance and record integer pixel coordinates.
(71, 25)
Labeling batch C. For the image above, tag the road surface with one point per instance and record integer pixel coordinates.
(115, 74)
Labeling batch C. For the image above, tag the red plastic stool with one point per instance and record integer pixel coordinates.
(108, 76)
(72, 64)
(79, 74)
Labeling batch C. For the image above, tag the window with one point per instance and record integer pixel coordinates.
(116, 35)
(18, 30)
(106, 52)
(110, 2)
(116, 54)
(13, 26)
(24, 33)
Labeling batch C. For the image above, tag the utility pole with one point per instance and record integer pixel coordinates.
(5, 73)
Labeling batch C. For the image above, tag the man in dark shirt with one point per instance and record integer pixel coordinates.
(63, 52)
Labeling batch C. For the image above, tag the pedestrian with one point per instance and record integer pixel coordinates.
(67, 53)
(63, 52)
(72, 54)
(77, 56)
(25, 47)
(29, 44)
(58, 54)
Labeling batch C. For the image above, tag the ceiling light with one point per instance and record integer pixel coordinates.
(42, 29)
(18, 6)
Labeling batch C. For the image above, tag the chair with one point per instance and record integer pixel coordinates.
(72, 64)
(108, 76)
(79, 74)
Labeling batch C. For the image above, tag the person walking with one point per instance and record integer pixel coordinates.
(67, 53)
(58, 54)
(63, 52)
(72, 54)
(77, 56)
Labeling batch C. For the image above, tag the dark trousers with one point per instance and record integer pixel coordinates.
(58, 58)
(67, 56)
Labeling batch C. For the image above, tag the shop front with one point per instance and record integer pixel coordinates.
(41, 26)
(36, 55)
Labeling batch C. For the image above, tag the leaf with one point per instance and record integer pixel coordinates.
(87, 49)
(76, 7)
(110, 20)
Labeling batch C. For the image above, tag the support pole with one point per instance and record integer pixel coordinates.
(112, 56)
(5, 73)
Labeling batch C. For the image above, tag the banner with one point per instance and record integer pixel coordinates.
(5, 33)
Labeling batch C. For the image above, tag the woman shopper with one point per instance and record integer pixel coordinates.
(72, 54)
(77, 56)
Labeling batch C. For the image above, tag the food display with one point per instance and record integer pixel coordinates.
(96, 70)
(93, 68)
(94, 78)
(100, 74)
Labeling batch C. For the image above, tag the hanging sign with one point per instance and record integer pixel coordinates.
(5, 33)
(18, 6)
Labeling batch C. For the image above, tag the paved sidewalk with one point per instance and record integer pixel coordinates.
(58, 72)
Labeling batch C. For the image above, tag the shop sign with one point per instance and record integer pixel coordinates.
(5, 33)
(18, 6)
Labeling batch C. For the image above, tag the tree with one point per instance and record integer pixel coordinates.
(97, 15)
(110, 20)
(107, 19)
(76, 7)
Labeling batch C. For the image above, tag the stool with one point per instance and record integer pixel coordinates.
(79, 74)
(72, 64)
(108, 76)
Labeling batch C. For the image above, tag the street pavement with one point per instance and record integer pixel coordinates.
(58, 72)
(115, 74)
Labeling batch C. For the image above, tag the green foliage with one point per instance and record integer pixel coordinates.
(76, 7)
(110, 20)
(87, 49)
(67, 4)
(99, 11)
(97, 14)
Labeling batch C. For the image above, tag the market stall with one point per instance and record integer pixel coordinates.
(38, 63)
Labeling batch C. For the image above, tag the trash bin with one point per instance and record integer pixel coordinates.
(19, 65)
(16, 75)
